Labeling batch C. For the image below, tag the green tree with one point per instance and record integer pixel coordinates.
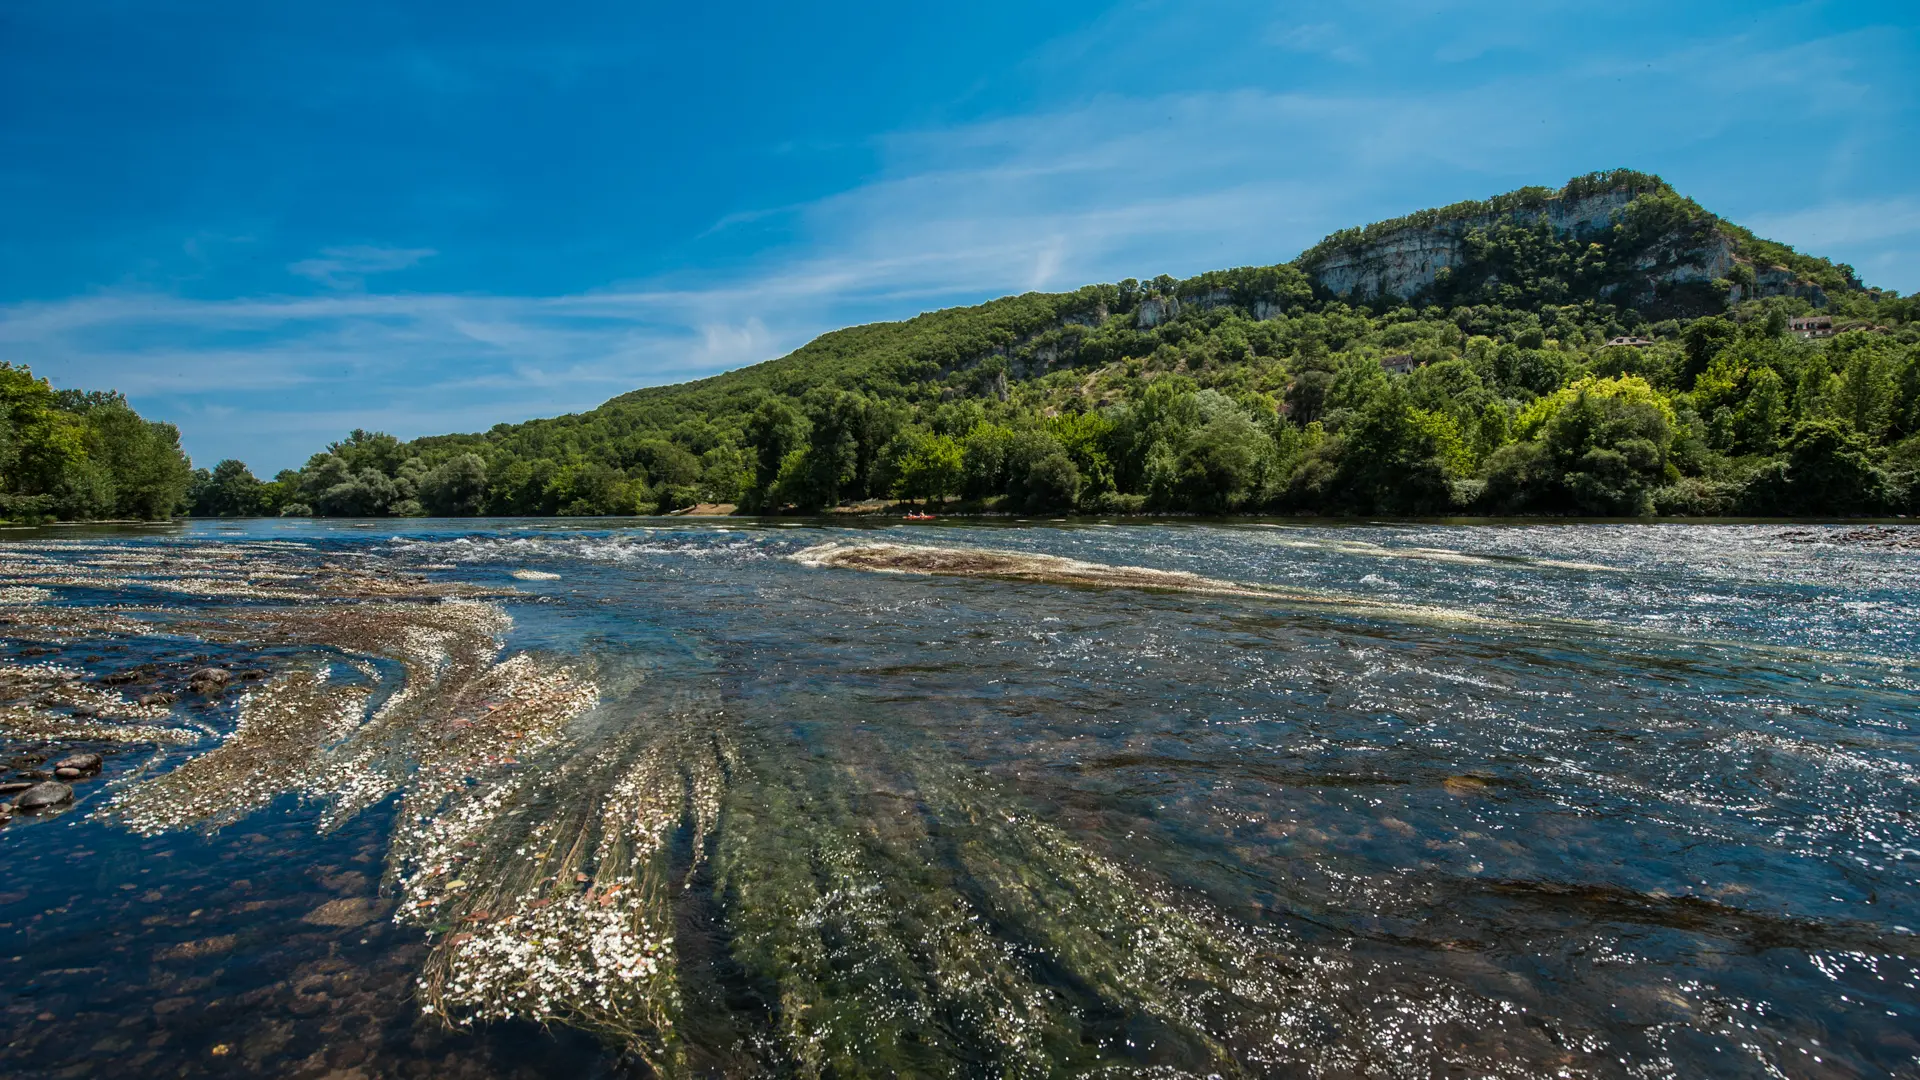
(591, 489)
(84, 454)
(1757, 424)
(725, 474)
(1612, 453)
(149, 473)
(1703, 340)
(1041, 475)
(457, 487)
(1829, 469)
(1086, 436)
(374, 450)
(983, 461)
(367, 493)
(1865, 393)
(931, 468)
(1051, 483)
(836, 427)
(665, 462)
(1224, 465)
(774, 431)
(230, 490)
(1597, 448)
(1390, 461)
(1530, 371)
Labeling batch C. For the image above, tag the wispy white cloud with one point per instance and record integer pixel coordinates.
(342, 267)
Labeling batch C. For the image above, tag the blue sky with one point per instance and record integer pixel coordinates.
(271, 223)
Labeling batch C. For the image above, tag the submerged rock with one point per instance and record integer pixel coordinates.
(85, 763)
(1054, 570)
(14, 787)
(209, 679)
(41, 796)
(160, 698)
(347, 911)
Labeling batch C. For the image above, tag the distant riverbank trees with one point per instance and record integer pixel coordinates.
(1212, 411)
(75, 455)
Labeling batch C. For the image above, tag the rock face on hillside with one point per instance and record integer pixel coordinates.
(1410, 260)
(1155, 310)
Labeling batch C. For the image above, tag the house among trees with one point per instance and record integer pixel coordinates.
(1399, 365)
(1631, 342)
(1808, 327)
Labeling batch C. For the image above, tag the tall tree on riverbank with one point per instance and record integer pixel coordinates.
(83, 455)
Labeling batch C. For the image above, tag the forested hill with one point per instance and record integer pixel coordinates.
(1605, 348)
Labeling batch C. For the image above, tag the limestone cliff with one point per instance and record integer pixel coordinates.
(1626, 237)
(1158, 309)
(1407, 260)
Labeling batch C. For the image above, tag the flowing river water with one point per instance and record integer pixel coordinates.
(736, 798)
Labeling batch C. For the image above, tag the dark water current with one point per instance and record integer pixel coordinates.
(1572, 800)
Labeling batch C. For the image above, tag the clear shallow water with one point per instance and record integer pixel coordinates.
(1581, 800)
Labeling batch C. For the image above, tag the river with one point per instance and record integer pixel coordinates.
(735, 797)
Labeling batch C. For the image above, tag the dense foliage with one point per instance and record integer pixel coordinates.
(1513, 203)
(1250, 391)
(78, 455)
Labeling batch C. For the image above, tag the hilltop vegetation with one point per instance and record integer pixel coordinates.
(1261, 389)
(79, 455)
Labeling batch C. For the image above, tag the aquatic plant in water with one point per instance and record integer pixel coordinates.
(46, 701)
(566, 918)
(910, 916)
(569, 916)
(285, 726)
